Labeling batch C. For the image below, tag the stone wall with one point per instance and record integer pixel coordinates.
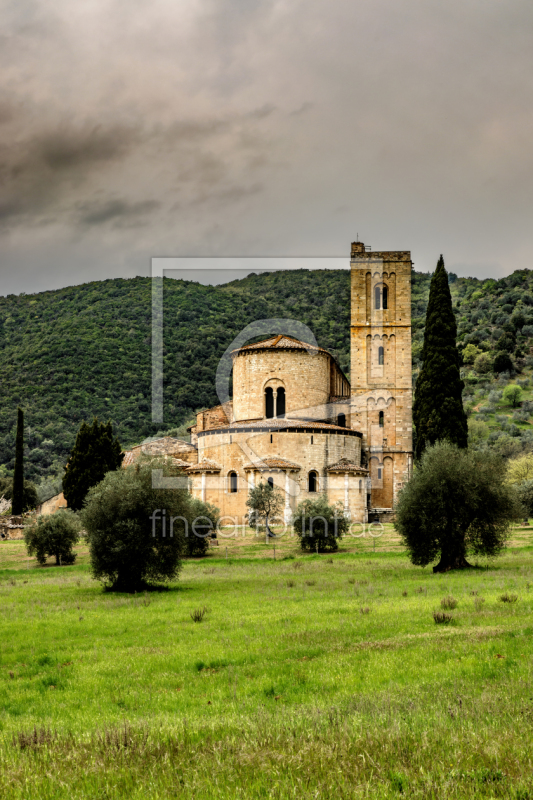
(306, 378)
(311, 451)
(382, 387)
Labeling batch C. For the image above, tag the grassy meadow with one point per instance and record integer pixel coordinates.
(309, 676)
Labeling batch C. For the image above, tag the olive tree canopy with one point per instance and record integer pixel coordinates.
(457, 503)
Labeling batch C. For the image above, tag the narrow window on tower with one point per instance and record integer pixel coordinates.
(381, 419)
(313, 481)
(270, 438)
(377, 298)
(381, 356)
(270, 482)
(269, 402)
(341, 420)
(233, 482)
(379, 473)
(385, 298)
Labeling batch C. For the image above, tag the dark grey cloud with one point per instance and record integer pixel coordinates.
(117, 211)
(263, 128)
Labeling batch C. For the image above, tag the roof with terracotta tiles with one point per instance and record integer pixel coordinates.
(344, 465)
(273, 462)
(280, 342)
(280, 424)
(205, 465)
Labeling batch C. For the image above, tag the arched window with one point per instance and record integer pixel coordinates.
(233, 482)
(341, 420)
(280, 403)
(269, 402)
(381, 356)
(360, 486)
(381, 419)
(270, 482)
(385, 297)
(313, 481)
(377, 298)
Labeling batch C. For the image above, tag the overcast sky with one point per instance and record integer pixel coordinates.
(131, 129)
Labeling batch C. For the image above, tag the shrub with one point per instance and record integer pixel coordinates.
(448, 602)
(495, 396)
(198, 614)
(512, 394)
(130, 544)
(208, 516)
(319, 525)
(508, 598)
(441, 618)
(525, 494)
(55, 535)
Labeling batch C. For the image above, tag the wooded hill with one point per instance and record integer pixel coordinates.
(70, 354)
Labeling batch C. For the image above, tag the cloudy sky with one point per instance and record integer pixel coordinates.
(131, 129)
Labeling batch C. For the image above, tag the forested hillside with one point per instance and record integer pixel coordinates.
(85, 350)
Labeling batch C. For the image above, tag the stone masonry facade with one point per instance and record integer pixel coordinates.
(295, 419)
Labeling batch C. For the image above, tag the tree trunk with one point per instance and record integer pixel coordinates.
(450, 561)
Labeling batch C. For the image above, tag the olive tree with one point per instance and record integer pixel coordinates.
(457, 503)
(319, 525)
(264, 501)
(53, 535)
(136, 532)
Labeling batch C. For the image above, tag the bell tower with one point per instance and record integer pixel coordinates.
(380, 376)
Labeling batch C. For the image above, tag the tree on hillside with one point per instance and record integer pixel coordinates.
(512, 394)
(456, 503)
(520, 469)
(95, 453)
(502, 362)
(17, 499)
(136, 533)
(438, 412)
(264, 501)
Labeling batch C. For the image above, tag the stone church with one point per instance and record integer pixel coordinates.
(297, 422)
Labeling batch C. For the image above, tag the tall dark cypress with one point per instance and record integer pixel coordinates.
(94, 453)
(17, 502)
(438, 412)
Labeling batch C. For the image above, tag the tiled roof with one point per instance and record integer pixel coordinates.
(274, 462)
(205, 465)
(164, 446)
(344, 465)
(280, 424)
(280, 342)
(179, 462)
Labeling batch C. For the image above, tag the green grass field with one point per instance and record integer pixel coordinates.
(308, 677)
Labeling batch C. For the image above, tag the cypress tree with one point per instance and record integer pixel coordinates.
(94, 454)
(17, 502)
(438, 412)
